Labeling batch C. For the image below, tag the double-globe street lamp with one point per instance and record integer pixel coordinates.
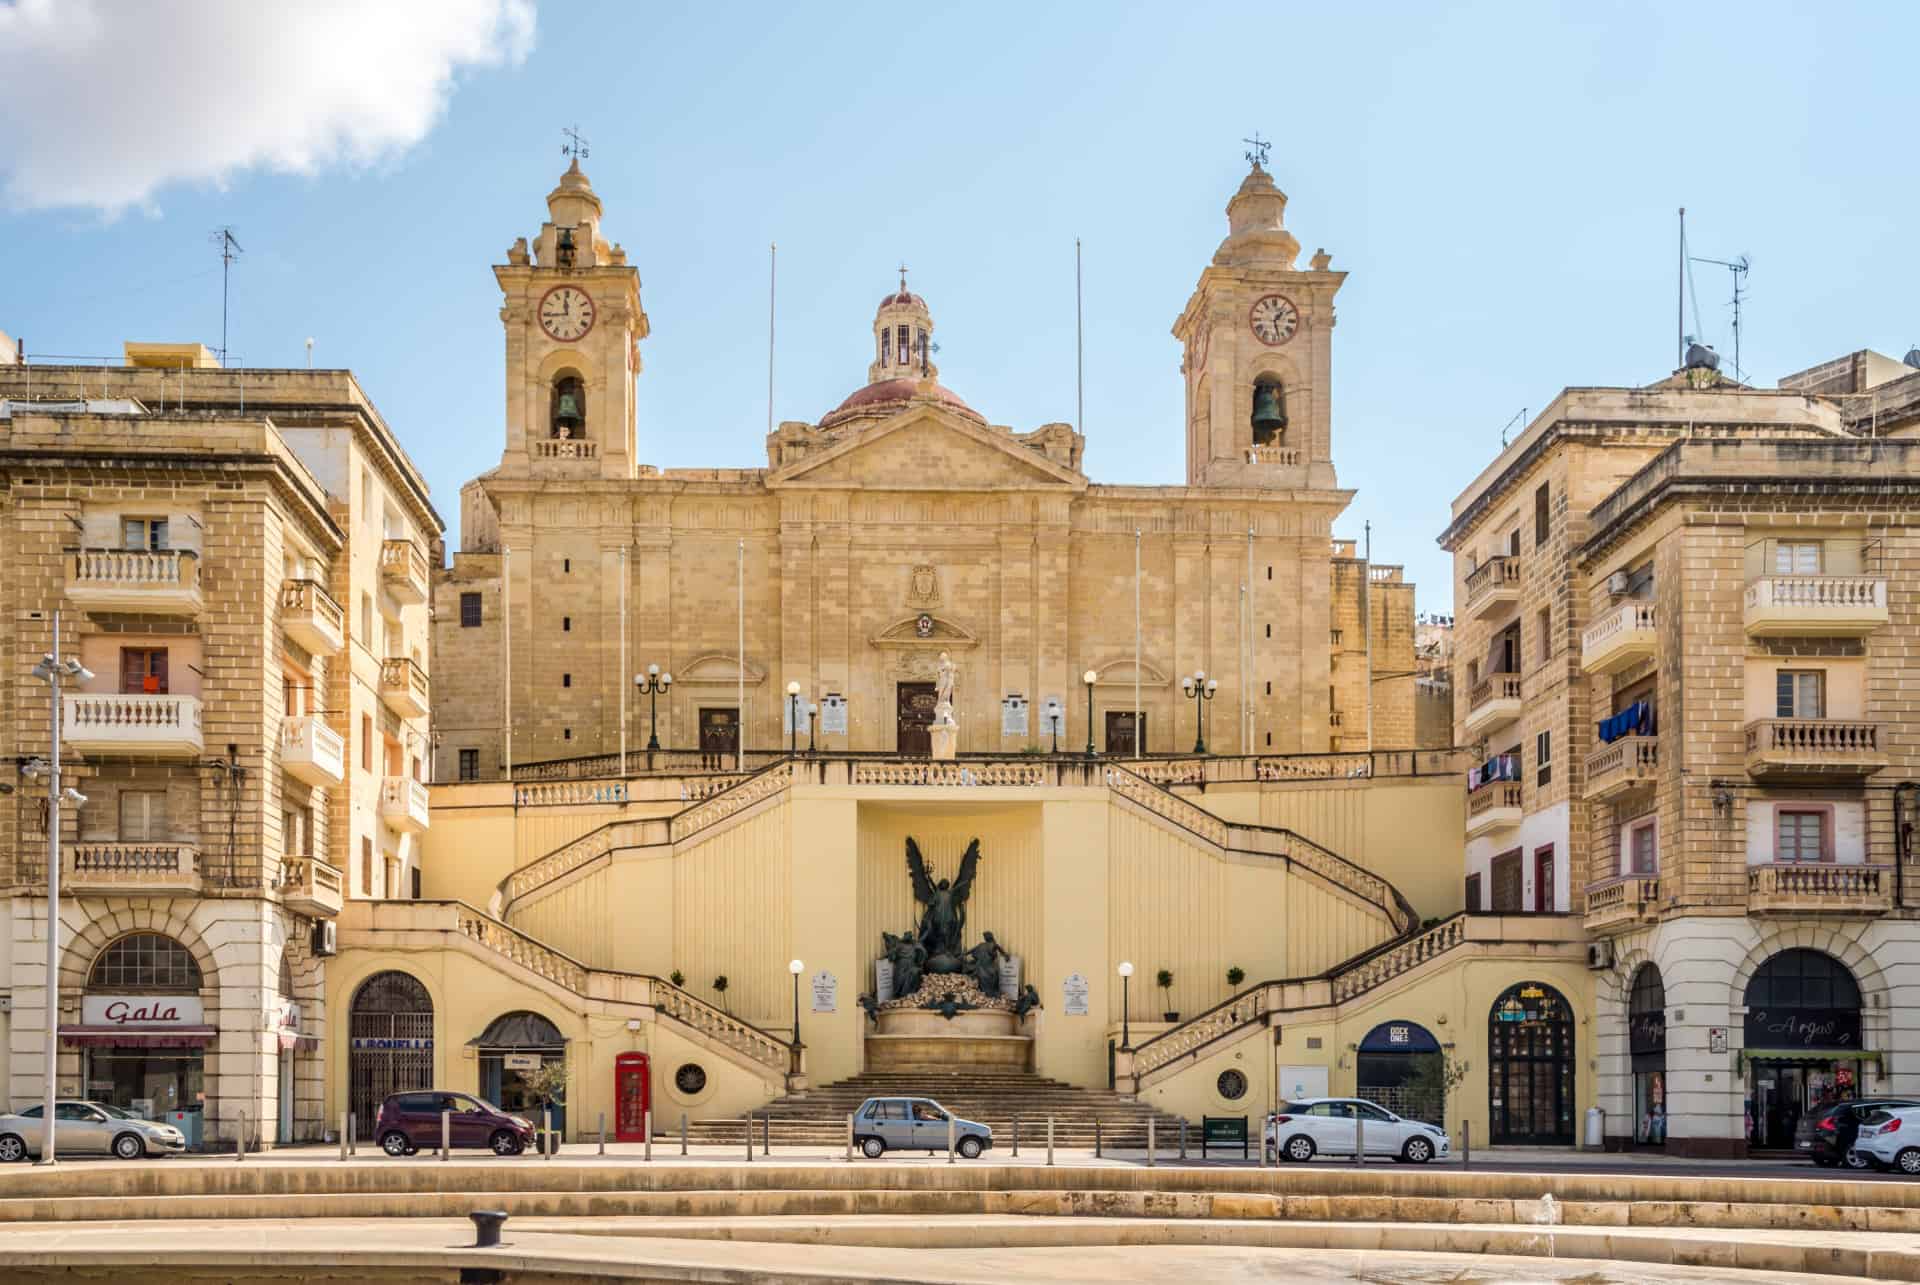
(652, 685)
(1200, 689)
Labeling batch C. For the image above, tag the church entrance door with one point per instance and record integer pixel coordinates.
(719, 736)
(914, 708)
(1120, 739)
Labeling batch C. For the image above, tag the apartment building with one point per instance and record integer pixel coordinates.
(239, 561)
(1686, 623)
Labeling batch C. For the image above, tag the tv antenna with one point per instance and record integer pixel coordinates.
(1738, 267)
(229, 251)
(1522, 414)
(576, 144)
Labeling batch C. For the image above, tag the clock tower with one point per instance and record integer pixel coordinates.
(1257, 334)
(571, 309)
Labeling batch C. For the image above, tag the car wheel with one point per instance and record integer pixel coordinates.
(1854, 1160)
(395, 1143)
(969, 1148)
(1417, 1151)
(504, 1143)
(873, 1148)
(1299, 1148)
(12, 1148)
(1908, 1160)
(128, 1146)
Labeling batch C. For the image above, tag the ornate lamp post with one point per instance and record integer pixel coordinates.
(795, 967)
(1089, 678)
(651, 684)
(813, 721)
(1054, 715)
(1200, 689)
(1126, 988)
(793, 720)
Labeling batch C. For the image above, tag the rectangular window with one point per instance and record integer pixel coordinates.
(1546, 634)
(469, 765)
(1543, 758)
(1800, 693)
(143, 533)
(366, 742)
(469, 611)
(1799, 836)
(1541, 515)
(366, 867)
(1797, 559)
(143, 671)
(1643, 855)
(143, 816)
(566, 680)
(1513, 543)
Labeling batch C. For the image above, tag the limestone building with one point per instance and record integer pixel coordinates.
(1686, 630)
(902, 524)
(239, 560)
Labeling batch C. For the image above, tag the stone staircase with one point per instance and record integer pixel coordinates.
(988, 1097)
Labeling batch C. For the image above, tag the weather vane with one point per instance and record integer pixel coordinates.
(1257, 155)
(576, 145)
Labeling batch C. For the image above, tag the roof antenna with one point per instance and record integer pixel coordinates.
(229, 251)
(1509, 424)
(1738, 266)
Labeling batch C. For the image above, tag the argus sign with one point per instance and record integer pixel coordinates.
(141, 1010)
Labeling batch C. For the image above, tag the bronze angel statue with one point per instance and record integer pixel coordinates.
(944, 922)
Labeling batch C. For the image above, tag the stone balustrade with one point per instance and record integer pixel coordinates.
(139, 722)
(1622, 765)
(1813, 747)
(310, 886)
(312, 618)
(129, 867)
(565, 448)
(1621, 901)
(1812, 887)
(404, 571)
(136, 580)
(1388, 963)
(404, 804)
(1815, 606)
(1493, 584)
(404, 687)
(1623, 636)
(1283, 456)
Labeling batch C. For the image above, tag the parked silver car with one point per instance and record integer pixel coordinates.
(914, 1124)
(87, 1127)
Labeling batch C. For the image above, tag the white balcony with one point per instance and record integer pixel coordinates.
(309, 886)
(403, 570)
(403, 804)
(312, 751)
(1493, 586)
(1493, 808)
(1492, 703)
(165, 726)
(1622, 637)
(403, 686)
(1813, 748)
(1815, 606)
(121, 868)
(312, 618)
(156, 581)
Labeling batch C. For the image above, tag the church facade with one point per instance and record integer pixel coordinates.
(808, 602)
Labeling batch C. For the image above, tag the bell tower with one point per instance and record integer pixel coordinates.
(573, 321)
(1258, 355)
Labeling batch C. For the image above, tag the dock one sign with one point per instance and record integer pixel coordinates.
(133, 1011)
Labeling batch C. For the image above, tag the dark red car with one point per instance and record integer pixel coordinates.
(410, 1121)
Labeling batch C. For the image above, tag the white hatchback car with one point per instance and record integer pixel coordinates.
(1890, 1139)
(1327, 1126)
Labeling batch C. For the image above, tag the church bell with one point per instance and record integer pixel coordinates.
(1269, 410)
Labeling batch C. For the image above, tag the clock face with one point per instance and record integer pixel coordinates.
(566, 313)
(1274, 319)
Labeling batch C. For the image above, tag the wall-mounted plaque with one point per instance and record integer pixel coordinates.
(1074, 995)
(1013, 715)
(833, 714)
(826, 992)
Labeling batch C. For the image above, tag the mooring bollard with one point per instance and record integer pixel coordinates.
(1149, 1142)
(344, 1117)
(603, 1133)
(1016, 1134)
(1049, 1140)
(646, 1125)
(1183, 1139)
(240, 1142)
(1096, 1137)
(1359, 1137)
(446, 1134)
(949, 1137)
(683, 1133)
(486, 1227)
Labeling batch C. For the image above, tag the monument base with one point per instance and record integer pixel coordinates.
(920, 1039)
(946, 741)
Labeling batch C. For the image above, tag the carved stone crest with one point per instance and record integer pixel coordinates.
(923, 586)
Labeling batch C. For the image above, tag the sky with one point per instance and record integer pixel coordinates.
(1500, 180)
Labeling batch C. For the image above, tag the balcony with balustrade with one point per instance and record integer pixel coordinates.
(153, 581)
(119, 869)
(311, 750)
(1622, 902)
(1813, 748)
(1493, 586)
(311, 617)
(309, 886)
(1492, 703)
(1493, 808)
(403, 686)
(1818, 887)
(404, 571)
(1622, 637)
(139, 724)
(403, 804)
(1627, 764)
(1815, 606)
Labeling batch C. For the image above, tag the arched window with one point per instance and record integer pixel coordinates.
(1269, 411)
(1530, 1088)
(1647, 1048)
(145, 962)
(391, 1028)
(286, 974)
(568, 413)
(883, 347)
(1400, 1066)
(1803, 979)
(522, 1030)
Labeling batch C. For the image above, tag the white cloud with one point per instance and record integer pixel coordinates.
(103, 104)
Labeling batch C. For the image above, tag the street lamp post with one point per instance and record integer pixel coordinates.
(1054, 715)
(651, 685)
(1089, 678)
(51, 669)
(793, 720)
(795, 967)
(1126, 990)
(813, 719)
(1200, 689)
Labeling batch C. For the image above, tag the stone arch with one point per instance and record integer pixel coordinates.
(1866, 971)
(1119, 673)
(111, 924)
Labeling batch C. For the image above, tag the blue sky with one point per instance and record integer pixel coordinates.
(1499, 180)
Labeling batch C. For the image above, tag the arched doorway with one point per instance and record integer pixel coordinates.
(1647, 1048)
(1399, 1066)
(144, 1031)
(1530, 1082)
(513, 1050)
(390, 1043)
(1802, 1049)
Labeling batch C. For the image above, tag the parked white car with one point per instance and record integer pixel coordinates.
(87, 1127)
(1301, 1130)
(1890, 1139)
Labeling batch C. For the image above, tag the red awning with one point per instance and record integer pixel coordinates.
(147, 1037)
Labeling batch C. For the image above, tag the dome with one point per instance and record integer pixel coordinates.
(888, 397)
(905, 298)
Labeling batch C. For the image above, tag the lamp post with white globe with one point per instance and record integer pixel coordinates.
(1126, 990)
(651, 684)
(795, 967)
(1090, 678)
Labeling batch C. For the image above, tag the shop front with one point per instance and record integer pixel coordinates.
(1530, 1067)
(1803, 1044)
(1647, 1047)
(520, 1056)
(143, 1032)
(1399, 1066)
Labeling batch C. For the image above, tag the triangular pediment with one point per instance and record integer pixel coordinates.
(928, 449)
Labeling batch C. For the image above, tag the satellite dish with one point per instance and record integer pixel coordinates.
(1701, 357)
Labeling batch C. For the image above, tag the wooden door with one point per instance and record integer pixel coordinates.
(1507, 881)
(1543, 879)
(1120, 738)
(719, 735)
(914, 711)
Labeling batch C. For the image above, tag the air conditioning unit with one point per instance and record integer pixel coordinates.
(1617, 583)
(1599, 955)
(326, 938)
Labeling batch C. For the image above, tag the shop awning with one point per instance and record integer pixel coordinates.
(1809, 1055)
(153, 1037)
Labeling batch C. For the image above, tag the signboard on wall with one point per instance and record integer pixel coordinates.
(833, 714)
(1803, 1028)
(520, 1061)
(1074, 995)
(141, 1010)
(826, 992)
(1013, 715)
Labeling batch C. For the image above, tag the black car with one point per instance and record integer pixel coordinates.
(1826, 1136)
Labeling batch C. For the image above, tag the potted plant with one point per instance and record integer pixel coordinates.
(1164, 980)
(678, 978)
(720, 989)
(1235, 976)
(547, 1086)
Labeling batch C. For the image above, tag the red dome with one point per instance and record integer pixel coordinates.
(891, 395)
(903, 297)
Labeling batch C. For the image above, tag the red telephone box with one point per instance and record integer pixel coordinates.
(632, 1097)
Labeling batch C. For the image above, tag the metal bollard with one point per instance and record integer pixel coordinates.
(1049, 1140)
(749, 1137)
(1096, 1137)
(683, 1133)
(1183, 1139)
(1466, 1143)
(1149, 1142)
(446, 1134)
(766, 1133)
(849, 1137)
(240, 1142)
(1016, 1134)
(344, 1117)
(603, 1133)
(546, 1131)
(353, 1129)
(1359, 1138)
(949, 1137)
(646, 1124)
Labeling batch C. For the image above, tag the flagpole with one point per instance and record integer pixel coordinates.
(773, 266)
(1079, 349)
(1139, 732)
(506, 649)
(623, 664)
(740, 669)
